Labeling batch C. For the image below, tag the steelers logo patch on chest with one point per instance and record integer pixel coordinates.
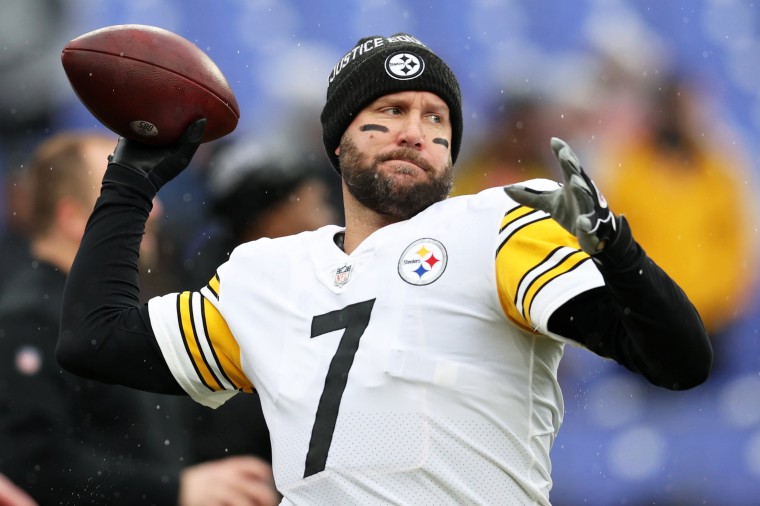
(422, 262)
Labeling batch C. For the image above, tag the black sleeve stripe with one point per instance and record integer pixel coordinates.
(535, 295)
(211, 289)
(213, 351)
(198, 342)
(533, 270)
(513, 210)
(184, 342)
(520, 227)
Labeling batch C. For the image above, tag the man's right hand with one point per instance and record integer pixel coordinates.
(159, 164)
(233, 481)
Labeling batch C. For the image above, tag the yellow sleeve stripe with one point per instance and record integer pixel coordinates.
(516, 220)
(566, 263)
(211, 358)
(532, 251)
(213, 286)
(192, 344)
(513, 216)
(225, 349)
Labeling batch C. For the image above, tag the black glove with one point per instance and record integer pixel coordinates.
(159, 164)
(577, 205)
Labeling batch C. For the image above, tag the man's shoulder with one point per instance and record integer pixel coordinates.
(457, 205)
(493, 197)
(286, 243)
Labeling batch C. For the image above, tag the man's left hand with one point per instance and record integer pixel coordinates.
(577, 204)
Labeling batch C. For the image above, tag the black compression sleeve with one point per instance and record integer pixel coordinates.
(641, 318)
(105, 333)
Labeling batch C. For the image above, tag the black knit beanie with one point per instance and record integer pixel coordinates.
(379, 66)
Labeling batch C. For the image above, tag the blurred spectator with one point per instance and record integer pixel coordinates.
(14, 241)
(686, 193)
(32, 34)
(660, 152)
(515, 149)
(257, 191)
(66, 440)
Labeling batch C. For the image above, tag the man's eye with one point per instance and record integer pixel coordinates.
(436, 118)
(393, 111)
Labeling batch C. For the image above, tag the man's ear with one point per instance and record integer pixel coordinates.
(337, 151)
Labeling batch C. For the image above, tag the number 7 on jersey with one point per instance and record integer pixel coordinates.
(354, 319)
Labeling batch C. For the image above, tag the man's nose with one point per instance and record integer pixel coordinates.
(410, 134)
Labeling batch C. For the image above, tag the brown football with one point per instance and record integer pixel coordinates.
(148, 84)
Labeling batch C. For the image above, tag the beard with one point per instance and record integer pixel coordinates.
(383, 193)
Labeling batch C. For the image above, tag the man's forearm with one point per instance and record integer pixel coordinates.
(641, 318)
(102, 322)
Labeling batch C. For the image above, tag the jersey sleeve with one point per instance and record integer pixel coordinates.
(198, 346)
(539, 267)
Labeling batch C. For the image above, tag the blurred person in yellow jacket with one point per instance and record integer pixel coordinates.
(686, 192)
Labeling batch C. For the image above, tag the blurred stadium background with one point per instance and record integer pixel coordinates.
(622, 442)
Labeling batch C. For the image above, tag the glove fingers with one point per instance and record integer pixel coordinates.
(583, 224)
(568, 160)
(531, 198)
(572, 169)
(582, 195)
(193, 134)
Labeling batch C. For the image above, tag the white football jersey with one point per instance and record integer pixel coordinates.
(416, 370)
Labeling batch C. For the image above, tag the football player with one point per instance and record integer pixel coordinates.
(411, 356)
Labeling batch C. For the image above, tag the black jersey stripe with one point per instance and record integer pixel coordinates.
(534, 269)
(211, 288)
(187, 346)
(197, 338)
(527, 223)
(512, 211)
(525, 312)
(546, 268)
(213, 350)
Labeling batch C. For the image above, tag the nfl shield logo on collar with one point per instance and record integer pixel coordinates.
(342, 275)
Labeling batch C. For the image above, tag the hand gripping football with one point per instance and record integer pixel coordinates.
(148, 84)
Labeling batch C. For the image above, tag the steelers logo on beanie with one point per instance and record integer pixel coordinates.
(378, 66)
